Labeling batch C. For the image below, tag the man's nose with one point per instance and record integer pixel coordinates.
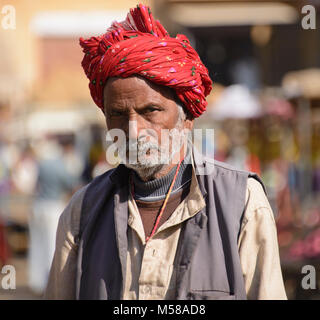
(136, 124)
(133, 130)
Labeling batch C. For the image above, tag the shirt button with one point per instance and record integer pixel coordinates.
(147, 290)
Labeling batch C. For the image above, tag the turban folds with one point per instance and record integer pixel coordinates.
(141, 46)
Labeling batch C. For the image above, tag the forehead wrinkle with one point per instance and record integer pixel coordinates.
(137, 86)
(135, 100)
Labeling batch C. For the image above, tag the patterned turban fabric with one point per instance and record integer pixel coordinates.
(141, 46)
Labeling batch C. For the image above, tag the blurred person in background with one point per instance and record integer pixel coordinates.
(57, 179)
(96, 159)
(73, 160)
(4, 190)
(161, 230)
(10, 158)
(25, 172)
(101, 166)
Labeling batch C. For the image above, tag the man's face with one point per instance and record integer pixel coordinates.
(150, 109)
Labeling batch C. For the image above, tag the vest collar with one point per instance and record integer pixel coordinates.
(203, 166)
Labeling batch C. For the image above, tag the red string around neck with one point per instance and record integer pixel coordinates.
(164, 203)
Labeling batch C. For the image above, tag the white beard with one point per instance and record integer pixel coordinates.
(149, 157)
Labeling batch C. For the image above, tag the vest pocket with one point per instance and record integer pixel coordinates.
(210, 295)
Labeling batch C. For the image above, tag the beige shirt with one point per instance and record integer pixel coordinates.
(150, 272)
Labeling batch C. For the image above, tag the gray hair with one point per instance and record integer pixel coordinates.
(184, 113)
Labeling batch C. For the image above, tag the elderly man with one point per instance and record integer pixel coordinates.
(181, 227)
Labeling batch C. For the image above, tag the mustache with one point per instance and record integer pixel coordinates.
(141, 151)
(141, 144)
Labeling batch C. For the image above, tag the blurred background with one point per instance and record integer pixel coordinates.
(264, 107)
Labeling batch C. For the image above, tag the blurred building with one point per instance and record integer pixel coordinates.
(43, 89)
(252, 42)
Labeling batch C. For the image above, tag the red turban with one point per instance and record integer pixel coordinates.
(140, 45)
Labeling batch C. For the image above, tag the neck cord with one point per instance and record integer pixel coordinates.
(164, 203)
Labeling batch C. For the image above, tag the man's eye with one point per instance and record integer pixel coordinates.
(151, 109)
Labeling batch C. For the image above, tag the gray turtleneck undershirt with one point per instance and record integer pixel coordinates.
(157, 189)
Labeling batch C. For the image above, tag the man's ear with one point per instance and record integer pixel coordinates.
(188, 124)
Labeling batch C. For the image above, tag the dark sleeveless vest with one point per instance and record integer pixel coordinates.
(207, 258)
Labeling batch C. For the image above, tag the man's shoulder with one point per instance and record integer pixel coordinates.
(102, 177)
(256, 197)
(224, 170)
(212, 166)
(79, 194)
(72, 213)
(221, 168)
